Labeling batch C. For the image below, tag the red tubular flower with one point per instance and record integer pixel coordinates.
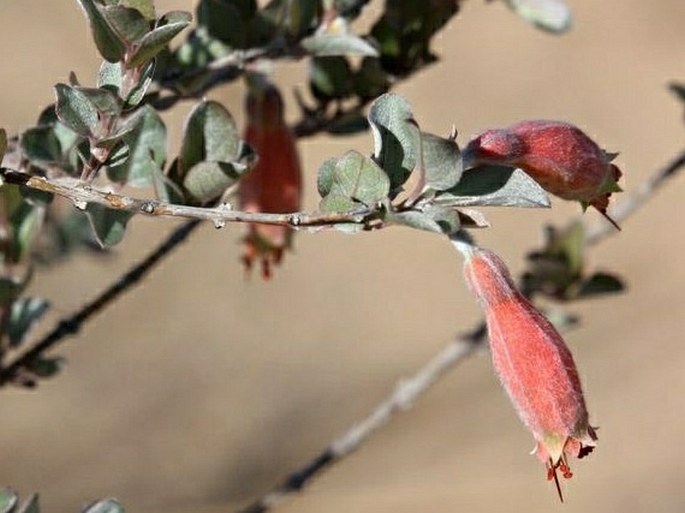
(533, 364)
(274, 185)
(558, 155)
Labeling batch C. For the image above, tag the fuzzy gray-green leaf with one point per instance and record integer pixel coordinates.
(210, 134)
(324, 179)
(26, 221)
(431, 218)
(495, 186)
(146, 140)
(145, 7)
(359, 178)
(128, 23)
(109, 75)
(395, 137)
(108, 225)
(208, 180)
(442, 162)
(153, 42)
(106, 39)
(75, 110)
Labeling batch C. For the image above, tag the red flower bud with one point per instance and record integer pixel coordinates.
(533, 364)
(274, 185)
(558, 155)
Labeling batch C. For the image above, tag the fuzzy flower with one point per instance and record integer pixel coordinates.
(558, 155)
(533, 364)
(274, 185)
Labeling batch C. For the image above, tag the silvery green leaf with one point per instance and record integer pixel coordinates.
(110, 46)
(338, 44)
(498, 186)
(549, 15)
(442, 162)
(396, 138)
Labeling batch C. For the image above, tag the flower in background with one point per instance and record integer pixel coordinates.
(533, 364)
(274, 185)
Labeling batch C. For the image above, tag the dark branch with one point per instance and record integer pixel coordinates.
(71, 325)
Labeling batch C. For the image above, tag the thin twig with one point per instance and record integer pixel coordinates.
(408, 390)
(401, 399)
(636, 199)
(71, 325)
(81, 194)
(219, 71)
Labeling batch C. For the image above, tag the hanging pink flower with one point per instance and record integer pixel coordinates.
(558, 155)
(274, 185)
(533, 364)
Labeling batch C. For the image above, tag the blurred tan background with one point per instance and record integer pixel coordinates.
(200, 389)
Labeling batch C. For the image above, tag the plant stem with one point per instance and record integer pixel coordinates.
(81, 194)
(407, 391)
(71, 325)
(401, 399)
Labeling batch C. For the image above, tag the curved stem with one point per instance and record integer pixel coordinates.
(407, 391)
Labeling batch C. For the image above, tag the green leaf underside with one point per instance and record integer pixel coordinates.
(165, 188)
(145, 7)
(104, 100)
(25, 313)
(153, 42)
(432, 219)
(129, 24)
(108, 225)
(109, 75)
(40, 145)
(75, 110)
(147, 148)
(395, 137)
(324, 180)
(495, 186)
(26, 221)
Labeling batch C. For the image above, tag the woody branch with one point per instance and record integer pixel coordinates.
(410, 389)
(81, 194)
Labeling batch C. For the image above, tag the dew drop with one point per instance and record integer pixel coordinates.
(219, 224)
(80, 204)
